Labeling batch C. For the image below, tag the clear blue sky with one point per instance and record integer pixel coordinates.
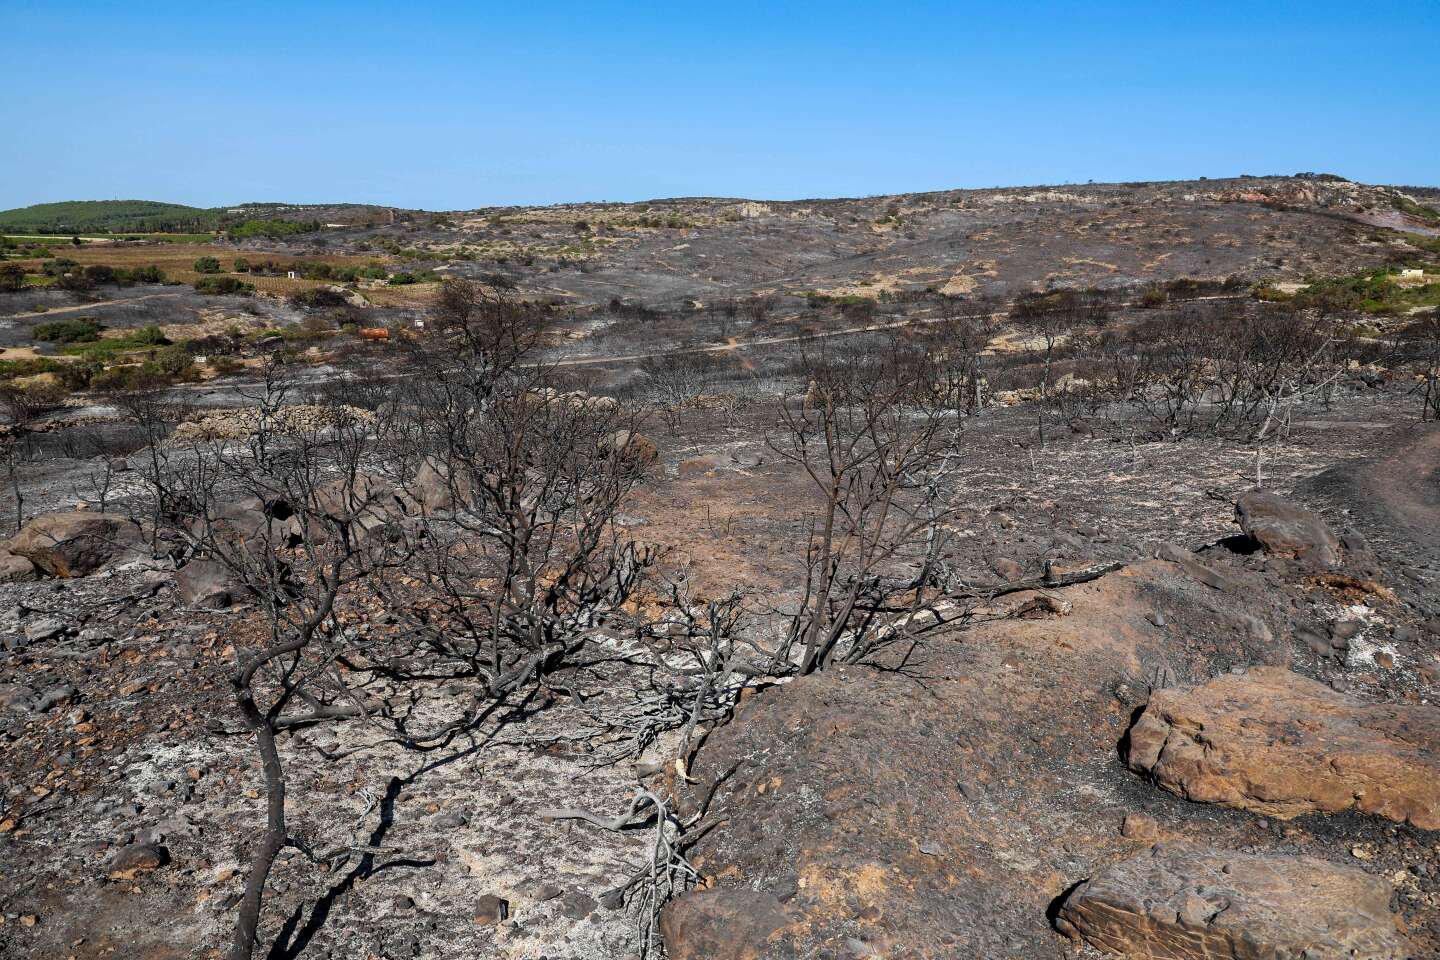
(455, 105)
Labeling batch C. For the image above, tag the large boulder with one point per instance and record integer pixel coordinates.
(1284, 529)
(1184, 903)
(1283, 745)
(724, 924)
(75, 543)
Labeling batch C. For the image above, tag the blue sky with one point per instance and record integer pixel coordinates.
(455, 105)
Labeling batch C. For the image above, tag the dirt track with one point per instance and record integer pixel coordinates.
(1396, 495)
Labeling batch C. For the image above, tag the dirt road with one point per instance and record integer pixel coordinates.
(86, 307)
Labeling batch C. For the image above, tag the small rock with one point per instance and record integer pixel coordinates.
(544, 892)
(135, 859)
(577, 905)
(14, 569)
(45, 629)
(1007, 568)
(54, 696)
(1346, 629)
(490, 909)
(1138, 826)
(1316, 641)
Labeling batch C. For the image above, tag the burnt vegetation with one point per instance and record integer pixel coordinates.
(780, 597)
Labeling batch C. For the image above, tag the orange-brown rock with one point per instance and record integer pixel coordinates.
(74, 543)
(1286, 530)
(1176, 902)
(1283, 745)
(721, 924)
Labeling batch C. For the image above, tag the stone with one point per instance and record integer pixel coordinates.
(1346, 629)
(17, 697)
(366, 503)
(15, 568)
(54, 696)
(1007, 568)
(490, 909)
(76, 543)
(136, 858)
(207, 584)
(1196, 568)
(722, 924)
(1186, 903)
(635, 451)
(577, 905)
(1316, 641)
(45, 629)
(1138, 826)
(1286, 530)
(1283, 745)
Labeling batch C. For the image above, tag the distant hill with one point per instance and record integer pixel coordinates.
(152, 216)
(109, 216)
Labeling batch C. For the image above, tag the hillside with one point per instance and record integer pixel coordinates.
(152, 216)
(111, 216)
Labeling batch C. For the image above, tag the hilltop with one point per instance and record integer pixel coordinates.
(153, 216)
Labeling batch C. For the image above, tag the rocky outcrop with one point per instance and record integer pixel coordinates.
(75, 543)
(942, 818)
(1284, 529)
(1182, 903)
(721, 924)
(1279, 744)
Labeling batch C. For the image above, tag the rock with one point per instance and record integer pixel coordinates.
(135, 859)
(15, 568)
(1283, 745)
(54, 696)
(722, 924)
(1345, 630)
(635, 451)
(577, 905)
(1138, 826)
(17, 697)
(45, 629)
(366, 503)
(1196, 568)
(1316, 641)
(208, 584)
(1184, 903)
(432, 491)
(490, 909)
(1007, 568)
(543, 892)
(1284, 529)
(74, 544)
